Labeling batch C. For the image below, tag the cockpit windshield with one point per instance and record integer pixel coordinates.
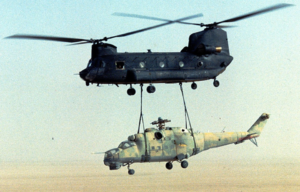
(126, 144)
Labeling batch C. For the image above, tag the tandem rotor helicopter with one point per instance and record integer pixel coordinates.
(206, 56)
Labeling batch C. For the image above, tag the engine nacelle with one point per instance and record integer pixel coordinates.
(208, 41)
(207, 49)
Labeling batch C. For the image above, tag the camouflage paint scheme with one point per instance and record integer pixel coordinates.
(174, 144)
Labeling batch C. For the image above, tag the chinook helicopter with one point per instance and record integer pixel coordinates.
(206, 56)
(171, 144)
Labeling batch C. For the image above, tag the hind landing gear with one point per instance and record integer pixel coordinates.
(194, 85)
(216, 83)
(150, 89)
(169, 165)
(130, 91)
(184, 164)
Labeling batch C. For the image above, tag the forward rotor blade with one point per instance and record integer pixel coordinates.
(81, 43)
(152, 18)
(139, 16)
(48, 38)
(77, 41)
(153, 27)
(254, 13)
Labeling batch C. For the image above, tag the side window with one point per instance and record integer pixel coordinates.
(120, 65)
(126, 145)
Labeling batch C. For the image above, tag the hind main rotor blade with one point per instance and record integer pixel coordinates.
(254, 13)
(48, 38)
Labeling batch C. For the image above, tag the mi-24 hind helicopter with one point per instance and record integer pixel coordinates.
(206, 56)
(171, 144)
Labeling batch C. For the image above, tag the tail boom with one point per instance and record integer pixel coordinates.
(212, 140)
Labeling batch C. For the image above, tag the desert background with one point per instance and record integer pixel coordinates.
(201, 175)
(50, 122)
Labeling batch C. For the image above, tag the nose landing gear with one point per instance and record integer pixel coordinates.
(130, 171)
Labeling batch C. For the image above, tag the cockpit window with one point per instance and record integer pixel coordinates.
(126, 144)
(96, 63)
(90, 63)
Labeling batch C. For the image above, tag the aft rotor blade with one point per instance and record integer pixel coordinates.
(48, 38)
(226, 26)
(153, 27)
(152, 18)
(254, 13)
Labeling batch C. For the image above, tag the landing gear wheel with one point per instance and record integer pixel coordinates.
(131, 171)
(131, 91)
(87, 83)
(184, 164)
(169, 165)
(216, 83)
(150, 89)
(194, 85)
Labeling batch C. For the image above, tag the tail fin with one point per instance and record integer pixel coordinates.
(258, 126)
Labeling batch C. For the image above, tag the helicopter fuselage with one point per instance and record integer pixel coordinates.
(136, 68)
(206, 57)
(174, 144)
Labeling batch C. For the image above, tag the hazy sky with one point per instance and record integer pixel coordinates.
(41, 97)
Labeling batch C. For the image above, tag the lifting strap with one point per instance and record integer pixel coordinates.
(141, 114)
(147, 156)
(185, 109)
(195, 151)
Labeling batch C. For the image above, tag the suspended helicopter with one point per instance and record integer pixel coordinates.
(174, 144)
(206, 56)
